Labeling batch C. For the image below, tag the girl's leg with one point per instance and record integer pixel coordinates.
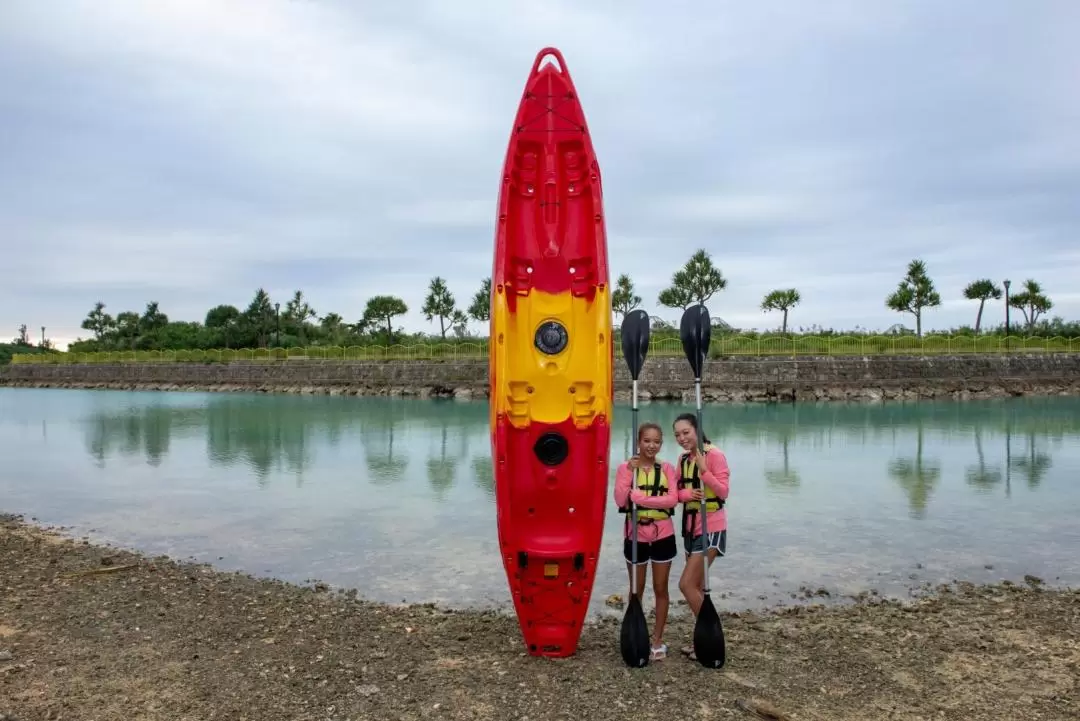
(661, 573)
(690, 581)
(693, 579)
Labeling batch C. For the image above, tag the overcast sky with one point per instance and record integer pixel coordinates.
(189, 151)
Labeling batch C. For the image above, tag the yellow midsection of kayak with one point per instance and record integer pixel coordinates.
(529, 385)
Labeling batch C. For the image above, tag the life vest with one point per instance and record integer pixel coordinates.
(690, 478)
(654, 487)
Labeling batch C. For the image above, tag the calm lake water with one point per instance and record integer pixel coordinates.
(395, 497)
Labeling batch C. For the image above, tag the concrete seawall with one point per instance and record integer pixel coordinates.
(732, 379)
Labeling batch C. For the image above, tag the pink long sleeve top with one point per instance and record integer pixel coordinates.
(716, 477)
(649, 532)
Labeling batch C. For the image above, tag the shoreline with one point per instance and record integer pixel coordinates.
(746, 393)
(95, 631)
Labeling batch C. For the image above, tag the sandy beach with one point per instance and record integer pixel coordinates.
(93, 632)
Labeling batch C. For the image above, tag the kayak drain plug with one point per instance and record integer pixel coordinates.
(551, 449)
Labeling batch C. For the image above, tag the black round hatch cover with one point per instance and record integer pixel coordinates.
(551, 449)
(551, 337)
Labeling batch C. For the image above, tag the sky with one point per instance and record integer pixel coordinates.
(191, 151)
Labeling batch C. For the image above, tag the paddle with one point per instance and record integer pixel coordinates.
(634, 636)
(695, 330)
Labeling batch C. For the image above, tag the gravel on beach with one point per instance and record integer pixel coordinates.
(93, 632)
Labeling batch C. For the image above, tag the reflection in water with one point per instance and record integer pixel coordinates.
(396, 496)
(145, 431)
(916, 476)
(980, 476)
(783, 478)
(441, 469)
(284, 434)
(1034, 465)
(484, 474)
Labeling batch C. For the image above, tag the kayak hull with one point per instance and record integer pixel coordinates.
(551, 358)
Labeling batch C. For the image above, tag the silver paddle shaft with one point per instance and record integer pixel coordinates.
(702, 509)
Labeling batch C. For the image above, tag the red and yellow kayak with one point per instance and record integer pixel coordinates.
(551, 356)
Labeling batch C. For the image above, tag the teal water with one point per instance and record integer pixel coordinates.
(394, 497)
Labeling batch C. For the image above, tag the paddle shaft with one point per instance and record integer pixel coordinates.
(704, 508)
(633, 479)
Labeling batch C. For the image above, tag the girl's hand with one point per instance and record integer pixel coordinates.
(697, 495)
(633, 462)
(700, 460)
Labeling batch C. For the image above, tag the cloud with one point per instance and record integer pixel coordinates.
(189, 151)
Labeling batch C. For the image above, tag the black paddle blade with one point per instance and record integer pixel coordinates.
(635, 340)
(695, 330)
(634, 636)
(709, 646)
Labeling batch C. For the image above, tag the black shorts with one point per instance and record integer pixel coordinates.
(662, 551)
(717, 540)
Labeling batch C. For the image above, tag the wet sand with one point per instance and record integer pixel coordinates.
(93, 632)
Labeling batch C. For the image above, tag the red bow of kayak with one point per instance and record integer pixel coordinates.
(551, 357)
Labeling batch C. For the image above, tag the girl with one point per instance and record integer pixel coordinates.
(650, 484)
(695, 469)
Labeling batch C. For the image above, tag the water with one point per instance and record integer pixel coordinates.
(395, 497)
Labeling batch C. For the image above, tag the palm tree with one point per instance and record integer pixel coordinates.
(982, 291)
(782, 300)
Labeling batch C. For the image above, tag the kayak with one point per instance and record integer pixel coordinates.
(550, 362)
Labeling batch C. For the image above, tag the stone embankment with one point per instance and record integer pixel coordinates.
(732, 379)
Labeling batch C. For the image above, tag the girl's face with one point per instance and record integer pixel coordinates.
(685, 435)
(650, 443)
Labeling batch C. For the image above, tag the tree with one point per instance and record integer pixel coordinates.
(480, 309)
(915, 292)
(258, 314)
(98, 321)
(982, 291)
(695, 282)
(439, 303)
(623, 298)
(225, 319)
(782, 300)
(298, 313)
(383, 308)
(23, 339)
(152, 318)
(459, 323)
(1032, 302)
(334, 326)
(127, 329)
(221, 316)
